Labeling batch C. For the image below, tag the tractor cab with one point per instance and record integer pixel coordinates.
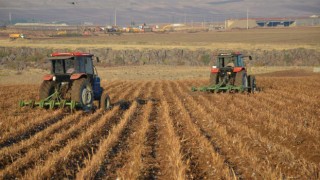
(72, 82)
(70, 66)
(230, 60)
(226, 68)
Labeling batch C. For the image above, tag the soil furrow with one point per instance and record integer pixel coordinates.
(204, 162)
(170, 154)
(114, 159)
(95, 167)
(45, 122)
(41, 153)
(279, 130)
(123, 150)
(149, 155)
(10, 154)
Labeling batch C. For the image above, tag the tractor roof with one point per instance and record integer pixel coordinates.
(230, 54)
(71, 54)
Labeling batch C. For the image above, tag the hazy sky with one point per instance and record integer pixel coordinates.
(151, 11)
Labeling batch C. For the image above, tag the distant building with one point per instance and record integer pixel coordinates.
(241, 23)
(308, 21)
(88, 23)
(39, 24)
(273, 22)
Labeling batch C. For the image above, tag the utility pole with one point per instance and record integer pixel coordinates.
(202, 21)
(247, 19)
(225, 24)
(192, 23)
(172, 18)
(115, 16)
(10, 18)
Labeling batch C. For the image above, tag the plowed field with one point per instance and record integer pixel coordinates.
(161, 130)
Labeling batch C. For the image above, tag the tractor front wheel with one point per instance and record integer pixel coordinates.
(105, 101)
(82, 93)
(46, 89)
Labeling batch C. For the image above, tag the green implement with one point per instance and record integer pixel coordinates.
(219, 88)
(51, 102)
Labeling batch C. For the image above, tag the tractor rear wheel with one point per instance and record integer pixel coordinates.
(82, 93)
(46, 89)
(105, 102)
(241, 79)
(252, 84)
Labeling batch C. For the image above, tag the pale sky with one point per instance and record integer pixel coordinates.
(152, 11)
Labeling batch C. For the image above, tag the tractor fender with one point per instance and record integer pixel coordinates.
(237, 69)
(77, 76)
(48, 77)
(214, 70)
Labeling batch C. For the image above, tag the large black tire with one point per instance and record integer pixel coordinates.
(213, 79)
(241, 79)
(105, 102)
(252, 84)
(46, 89)
(82, 93)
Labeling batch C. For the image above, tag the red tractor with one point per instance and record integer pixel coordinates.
(229, 74)
(73, 82)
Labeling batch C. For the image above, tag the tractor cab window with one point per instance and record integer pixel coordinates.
(229, 62)
(220, 62)
(88, 63)
(57, 66)
(69, 66)
(84, 64)
(225, 61)
(62, 66)
(239, 61)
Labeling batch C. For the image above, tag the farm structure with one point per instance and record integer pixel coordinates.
(159, 129)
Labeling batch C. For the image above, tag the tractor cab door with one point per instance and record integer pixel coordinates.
(238, 59)
(84, 64)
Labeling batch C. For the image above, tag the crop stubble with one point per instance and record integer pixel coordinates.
(160, 129)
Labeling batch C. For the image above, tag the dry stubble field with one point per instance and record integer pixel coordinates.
(159, 129)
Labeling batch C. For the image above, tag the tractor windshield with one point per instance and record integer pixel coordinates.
(84, 64)
(63, 66)
(224, 61)
(229, 61)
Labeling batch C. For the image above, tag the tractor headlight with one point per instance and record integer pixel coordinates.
(228, 73)
(54, 78)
